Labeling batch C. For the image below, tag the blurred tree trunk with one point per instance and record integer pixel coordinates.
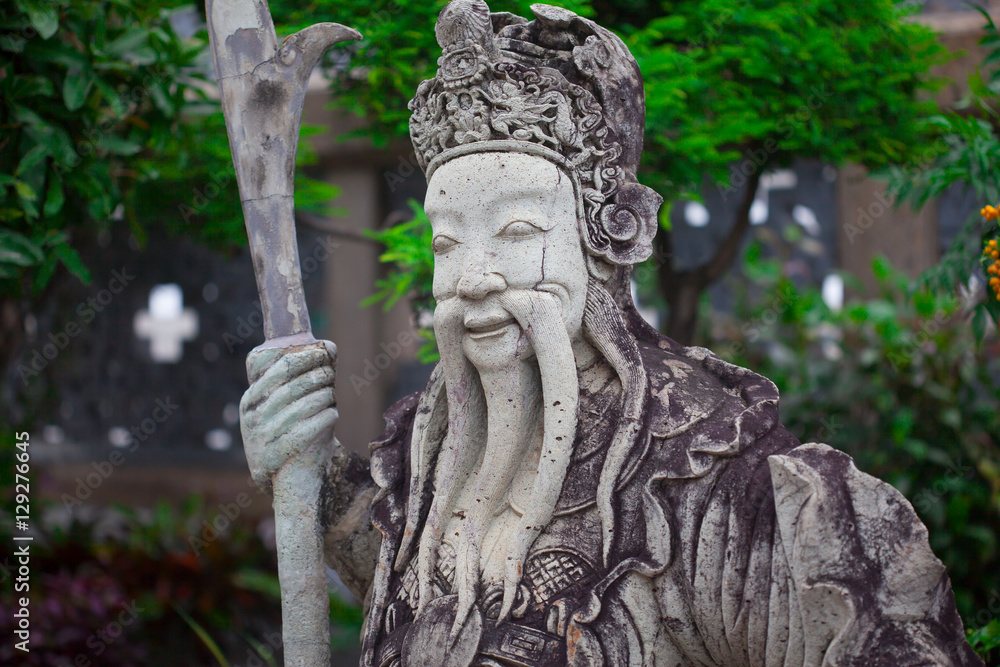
(11, 328)
(682, 289)
(11, 340)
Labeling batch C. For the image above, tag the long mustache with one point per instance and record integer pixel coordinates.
(450, 435)
(540, 316)
(464, 441)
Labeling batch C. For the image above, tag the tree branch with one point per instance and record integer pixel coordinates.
(664, 257)
(724, 256)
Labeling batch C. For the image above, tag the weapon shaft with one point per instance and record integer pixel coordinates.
(263, 87)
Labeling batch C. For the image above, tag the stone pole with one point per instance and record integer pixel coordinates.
(263, 87)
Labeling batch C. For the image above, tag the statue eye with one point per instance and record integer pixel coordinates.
(442, 243)
(519, 229)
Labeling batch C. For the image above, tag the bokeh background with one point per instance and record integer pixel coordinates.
(824, 164)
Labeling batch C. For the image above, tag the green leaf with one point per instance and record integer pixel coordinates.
(258, 581)
(117, 102)
(13, 44)
(43, 274)
(203, 635)
(8, 214)
(18, 249)
(118, 145)
(55, 197)
(72, 261)
(22, 86)
(31, 159)
(27, 195)
(142, 56)
(262, 650)
(129, 42)
(160, 98)
(42, 14)
(979, 323)
(76, 86)
(665, 222)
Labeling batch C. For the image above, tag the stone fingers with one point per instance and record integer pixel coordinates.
(331, 349)
(259, 361)
(269, 370)
(270, 441)
(257, 408)
(290, 407)
(317, 428)
(292, 392)
(284, 420)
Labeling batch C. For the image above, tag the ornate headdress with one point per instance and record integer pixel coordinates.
(560, 87)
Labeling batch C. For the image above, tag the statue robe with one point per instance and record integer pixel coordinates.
(733, 544)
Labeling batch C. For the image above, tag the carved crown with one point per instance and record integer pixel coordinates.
(560, 87)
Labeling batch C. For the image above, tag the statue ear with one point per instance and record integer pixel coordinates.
(629, 221)
(599, 268)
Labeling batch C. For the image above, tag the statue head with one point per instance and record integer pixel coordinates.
(530, 136)
(559, 88)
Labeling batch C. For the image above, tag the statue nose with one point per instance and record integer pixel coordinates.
(477, 283)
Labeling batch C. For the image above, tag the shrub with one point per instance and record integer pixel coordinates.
(900, 384)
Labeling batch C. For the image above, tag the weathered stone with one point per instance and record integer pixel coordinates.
(263, 87)
(573, 488)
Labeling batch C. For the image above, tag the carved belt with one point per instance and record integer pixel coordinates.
(512, 644)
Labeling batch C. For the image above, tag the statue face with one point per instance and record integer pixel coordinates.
(504, 221)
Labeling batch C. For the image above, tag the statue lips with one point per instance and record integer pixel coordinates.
(488, 326)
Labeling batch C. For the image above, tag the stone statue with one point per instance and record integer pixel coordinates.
(572, 487)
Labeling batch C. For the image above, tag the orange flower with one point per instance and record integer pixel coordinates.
(990, 213)
(991, 252)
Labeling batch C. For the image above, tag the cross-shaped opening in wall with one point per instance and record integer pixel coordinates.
(167, 324)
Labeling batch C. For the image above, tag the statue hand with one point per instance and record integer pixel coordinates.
(290, 409)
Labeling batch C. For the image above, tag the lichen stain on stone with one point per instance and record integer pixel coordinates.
(259, 175)
(293, 307)
(245, 44)
(573, 637)
(268, 94)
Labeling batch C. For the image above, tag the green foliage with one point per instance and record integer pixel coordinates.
(380, 74)
(762, 82)
(91, 102)
(203, 636)
(986, 641)
(970, 158)
(411, 272)
(899, 383)
(106, 114)
(408, 250)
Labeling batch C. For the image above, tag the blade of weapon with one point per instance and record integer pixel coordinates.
(263, 87)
